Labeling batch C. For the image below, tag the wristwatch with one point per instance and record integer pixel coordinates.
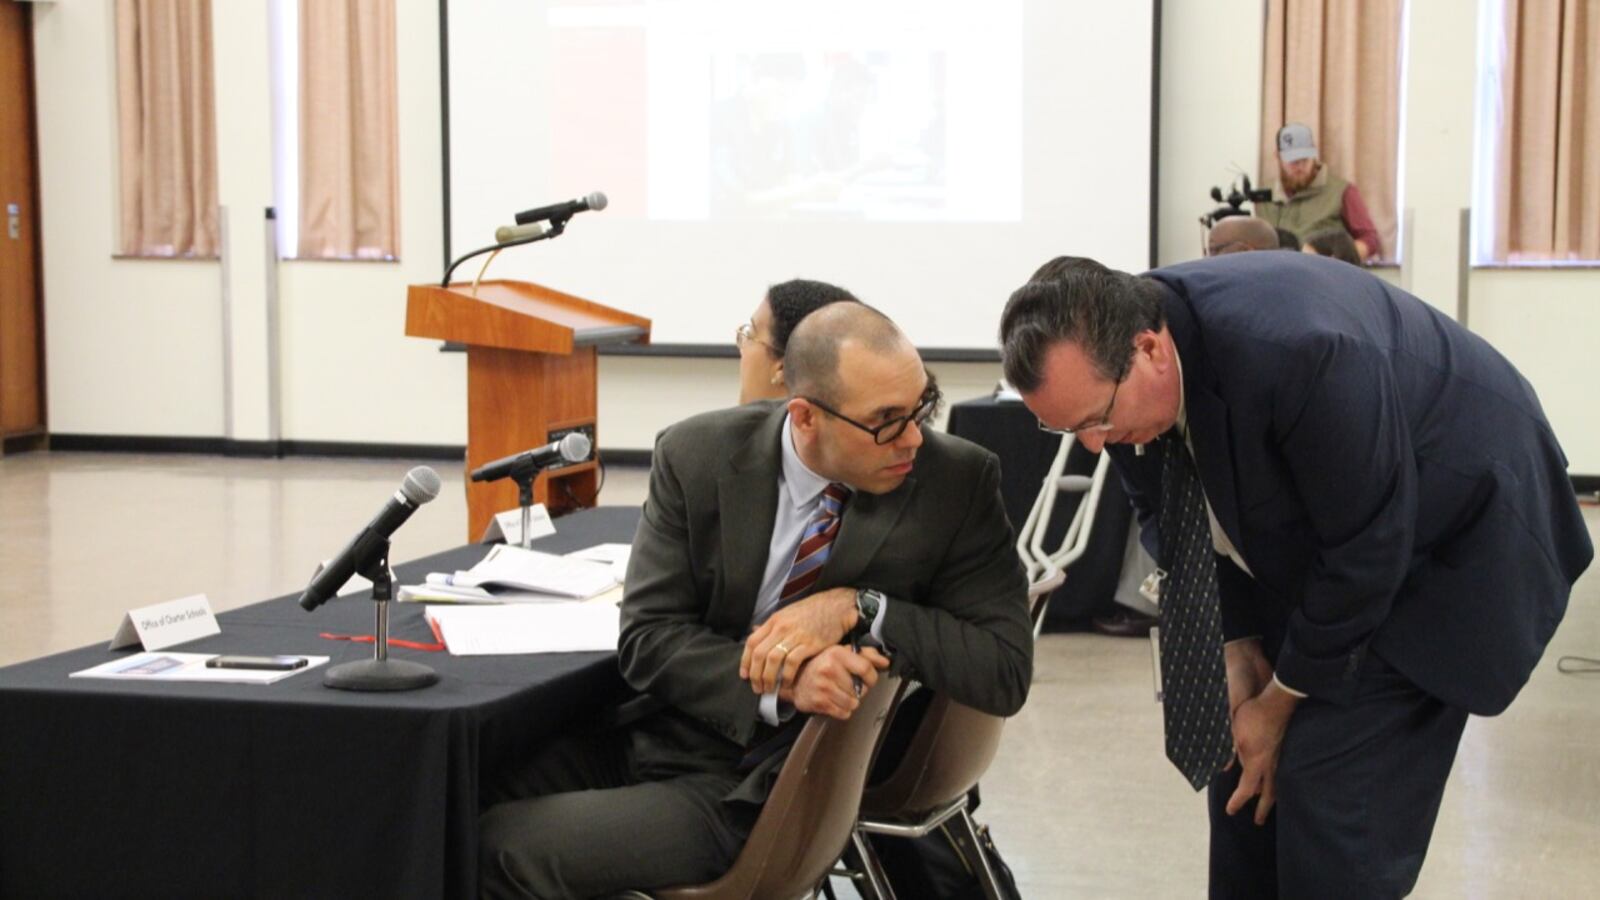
(868, 602)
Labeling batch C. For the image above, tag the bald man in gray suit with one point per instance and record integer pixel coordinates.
(732, 633)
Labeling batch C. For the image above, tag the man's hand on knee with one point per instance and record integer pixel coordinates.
(793, 635)
(1258, 727)
(828, 682)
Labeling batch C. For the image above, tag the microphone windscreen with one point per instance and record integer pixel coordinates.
(575, 447)
(421, 485)
(596, 200)
(508, 233)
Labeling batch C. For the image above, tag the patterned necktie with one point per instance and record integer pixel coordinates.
(1194, 679)
(816, 544)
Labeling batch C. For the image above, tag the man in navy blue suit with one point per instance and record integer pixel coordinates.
(1396, 535)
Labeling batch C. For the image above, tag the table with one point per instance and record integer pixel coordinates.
(1007, 428)
(117, 789)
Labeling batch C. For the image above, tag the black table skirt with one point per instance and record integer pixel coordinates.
(115, 789)
(1012, 432)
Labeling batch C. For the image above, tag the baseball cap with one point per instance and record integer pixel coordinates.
(1295, 143)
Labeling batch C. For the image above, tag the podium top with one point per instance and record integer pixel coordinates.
(517, 315)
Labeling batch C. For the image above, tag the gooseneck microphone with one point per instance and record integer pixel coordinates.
(572, 448)
(505, 234)
(528, 228)
(420, 486)
(560, 212)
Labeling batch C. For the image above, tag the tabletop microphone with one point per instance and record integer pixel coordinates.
(560, 212)
(505, 234)
(420, 486)
(573, 448)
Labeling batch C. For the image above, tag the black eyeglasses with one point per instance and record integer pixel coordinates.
(891, 430)
(1099, 423)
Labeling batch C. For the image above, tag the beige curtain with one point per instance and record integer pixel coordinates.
(1547, 167)
(1335, 65)
(167, 134)
(349, 178)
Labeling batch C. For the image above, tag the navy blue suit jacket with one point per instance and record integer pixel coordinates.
(1388, 477)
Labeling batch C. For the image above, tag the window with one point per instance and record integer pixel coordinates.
(1537, 148)
(166, 129)
(337, 164)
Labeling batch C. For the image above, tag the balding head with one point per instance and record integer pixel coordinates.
(1237, 234)
(811, 359)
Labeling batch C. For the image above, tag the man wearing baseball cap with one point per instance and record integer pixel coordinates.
(1309, 199)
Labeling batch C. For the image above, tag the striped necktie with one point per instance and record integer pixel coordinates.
(816, 544)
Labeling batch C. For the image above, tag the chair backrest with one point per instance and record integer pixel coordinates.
(811, 811)
(951, 750)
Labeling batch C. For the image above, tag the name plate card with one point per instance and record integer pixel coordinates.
(508, 525)
(166, 624)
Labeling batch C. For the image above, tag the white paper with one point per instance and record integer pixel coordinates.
(615, 555)
(525, 628)
(167, 666)
(444, 592)
(531, 570)
(163, 625)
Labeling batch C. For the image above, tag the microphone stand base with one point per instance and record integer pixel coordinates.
(380, 675)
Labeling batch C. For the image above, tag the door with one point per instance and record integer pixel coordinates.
(21, 356)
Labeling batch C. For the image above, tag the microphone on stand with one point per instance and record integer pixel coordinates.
(420, 486)
(573, 448)
(560, 212)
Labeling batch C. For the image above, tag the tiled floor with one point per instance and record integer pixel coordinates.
(1081, 801)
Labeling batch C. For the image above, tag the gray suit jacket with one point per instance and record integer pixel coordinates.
(939, 546)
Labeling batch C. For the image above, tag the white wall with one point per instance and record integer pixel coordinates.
(1210, 112)
(136, 347)
(131, 346)
(349, 371)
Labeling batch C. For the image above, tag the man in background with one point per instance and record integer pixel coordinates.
(1236, 234)
(1308, 198)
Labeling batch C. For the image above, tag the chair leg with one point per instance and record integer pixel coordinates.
(874, 884)
(967, 837)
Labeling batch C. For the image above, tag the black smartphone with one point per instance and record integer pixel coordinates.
(277, 663)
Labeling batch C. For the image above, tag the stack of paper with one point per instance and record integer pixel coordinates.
(513, 575)
(538, 628)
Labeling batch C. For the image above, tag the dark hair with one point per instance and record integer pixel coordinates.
(795, 299)
(1337, 243)
(1078, 300)
(1288, 240)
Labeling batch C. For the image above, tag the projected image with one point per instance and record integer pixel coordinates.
(701, 110)
(826, 135)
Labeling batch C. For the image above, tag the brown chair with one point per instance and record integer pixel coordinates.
(952, 748)
(808, 817)
(950, 751)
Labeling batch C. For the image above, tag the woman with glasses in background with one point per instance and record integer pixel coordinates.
(762, 339)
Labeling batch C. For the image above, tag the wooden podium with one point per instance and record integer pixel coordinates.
(531, 378)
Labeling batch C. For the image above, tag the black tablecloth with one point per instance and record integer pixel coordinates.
(118, 789)
(1012, 432)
